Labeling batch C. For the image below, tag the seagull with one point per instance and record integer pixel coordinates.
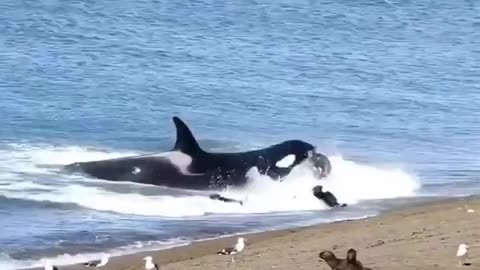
(98, 263)
(462, 254)
(234, 250)
(149, 265)
(49, 266)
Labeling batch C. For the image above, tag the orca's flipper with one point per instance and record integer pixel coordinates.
(185, 142)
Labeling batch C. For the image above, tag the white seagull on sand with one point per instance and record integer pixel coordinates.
(149, 265)
(239, 246)
(49, 266)
(98, 263)
(462, 254)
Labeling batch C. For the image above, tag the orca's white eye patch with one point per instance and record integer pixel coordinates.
(285, 162)
(136, 170)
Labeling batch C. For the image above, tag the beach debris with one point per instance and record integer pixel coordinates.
(50, 266)
(462, 254)
(416, 233)
(377, 244)
(98, 263)
(350, 263)
(470, 211)
(239, 246)
(149, 265)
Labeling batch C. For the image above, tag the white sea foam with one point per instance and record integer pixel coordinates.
(21, 165)
(30, 173)
(8, 263)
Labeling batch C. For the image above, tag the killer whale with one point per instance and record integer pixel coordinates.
(188, 166)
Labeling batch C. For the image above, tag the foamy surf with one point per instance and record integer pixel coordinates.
(31, 173)
(351, 182)
(8, 263)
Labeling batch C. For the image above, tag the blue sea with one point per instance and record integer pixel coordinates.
(388, 90)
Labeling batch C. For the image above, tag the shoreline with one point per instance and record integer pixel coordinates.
(288, 244)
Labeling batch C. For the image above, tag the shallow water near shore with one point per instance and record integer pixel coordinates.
(388, 90)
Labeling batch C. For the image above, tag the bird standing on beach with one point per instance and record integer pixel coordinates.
(235, 249)
(49, 266)
(462, 254)
(98, 263)
(149, 265)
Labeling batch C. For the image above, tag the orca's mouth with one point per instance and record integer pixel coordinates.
(320, 161)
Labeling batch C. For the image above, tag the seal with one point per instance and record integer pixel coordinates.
(326, 196)
(188, 166)
(350, 263)
(332, 260)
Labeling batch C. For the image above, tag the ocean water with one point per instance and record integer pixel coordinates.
(389, 90)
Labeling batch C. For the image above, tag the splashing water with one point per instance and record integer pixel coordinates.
(349, 181)
(31, 174)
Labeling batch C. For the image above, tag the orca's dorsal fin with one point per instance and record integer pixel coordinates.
(185, 142)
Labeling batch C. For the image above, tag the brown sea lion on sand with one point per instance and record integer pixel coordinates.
(350, 263)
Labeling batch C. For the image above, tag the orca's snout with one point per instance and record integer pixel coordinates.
(322, 162)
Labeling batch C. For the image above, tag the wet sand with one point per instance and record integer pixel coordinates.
(425, 236)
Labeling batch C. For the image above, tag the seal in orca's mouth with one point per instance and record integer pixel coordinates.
(320, 162)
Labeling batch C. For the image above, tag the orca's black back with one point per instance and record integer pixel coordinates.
(231, 168)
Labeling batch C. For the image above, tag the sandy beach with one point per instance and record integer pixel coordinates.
(425, 236)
